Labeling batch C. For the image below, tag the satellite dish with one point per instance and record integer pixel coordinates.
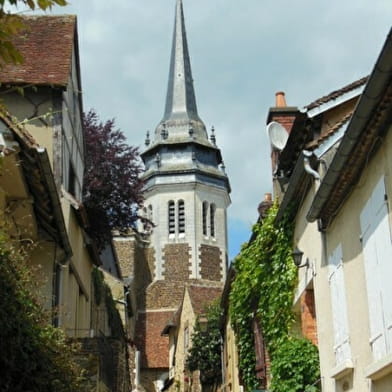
(277, 134)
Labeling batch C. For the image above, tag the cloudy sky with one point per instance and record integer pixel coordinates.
(242, 52)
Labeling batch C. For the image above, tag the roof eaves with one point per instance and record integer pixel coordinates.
(376, 87)
(330, 104)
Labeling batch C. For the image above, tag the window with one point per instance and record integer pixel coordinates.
(149, 216)
(172, 216)
(339, 306)
(205, 212)
(181, 216)
(377, 254)
(212, 220)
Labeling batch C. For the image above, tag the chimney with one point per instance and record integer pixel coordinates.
(265, 205)
(280, 100)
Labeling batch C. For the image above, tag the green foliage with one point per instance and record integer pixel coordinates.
(11, 24)
(295, 366)
(103, 291)
(34, 355)
(264, 288)
(205, 353)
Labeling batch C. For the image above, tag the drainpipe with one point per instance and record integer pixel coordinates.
(307, 154)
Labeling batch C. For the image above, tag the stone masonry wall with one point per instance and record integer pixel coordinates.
(177, 262)
(210, 263)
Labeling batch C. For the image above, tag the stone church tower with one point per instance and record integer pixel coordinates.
(186, 197)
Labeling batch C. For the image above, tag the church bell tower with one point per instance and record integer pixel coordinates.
(187, 189)
(186, 197)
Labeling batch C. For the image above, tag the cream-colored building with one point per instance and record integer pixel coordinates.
(41, 180)
(50, 108)
(336, 171)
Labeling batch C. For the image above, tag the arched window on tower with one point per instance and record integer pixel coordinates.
(205, 213)
(212, 220)
(181, 216)
(149, 216)
(172, 217)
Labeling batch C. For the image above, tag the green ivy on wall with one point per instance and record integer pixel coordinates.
(103, 292)
(34, 355)
(205, 353)
(263, 287)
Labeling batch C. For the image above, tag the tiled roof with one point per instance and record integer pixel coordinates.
(317, 142)
(202, 296)
(337, 93)
(46, 46)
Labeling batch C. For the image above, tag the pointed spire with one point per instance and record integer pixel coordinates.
(181, 110)
(180, 92)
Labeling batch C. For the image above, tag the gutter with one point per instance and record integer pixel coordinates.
(368, 101)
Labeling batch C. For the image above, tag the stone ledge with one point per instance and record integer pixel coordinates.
(379, 369)
(343, 369)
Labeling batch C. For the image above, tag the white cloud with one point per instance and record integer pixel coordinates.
(241, 54)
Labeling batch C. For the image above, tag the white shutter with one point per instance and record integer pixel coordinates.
(339, 306)
(377, 253)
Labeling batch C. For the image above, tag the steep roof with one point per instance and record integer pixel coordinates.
(46, 46)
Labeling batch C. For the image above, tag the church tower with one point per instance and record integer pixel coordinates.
(186, 197)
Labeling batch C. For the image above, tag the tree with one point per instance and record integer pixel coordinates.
(205, 353)
(11, 24)
(112, 191)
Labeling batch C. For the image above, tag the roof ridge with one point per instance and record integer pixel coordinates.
(336, 93)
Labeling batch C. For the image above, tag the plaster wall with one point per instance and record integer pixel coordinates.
(317, 247)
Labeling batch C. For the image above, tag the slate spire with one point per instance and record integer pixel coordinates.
(181, 108)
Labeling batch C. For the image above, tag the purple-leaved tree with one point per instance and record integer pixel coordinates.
(112, 191)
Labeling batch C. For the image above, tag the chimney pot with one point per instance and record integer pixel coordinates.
(280, 100)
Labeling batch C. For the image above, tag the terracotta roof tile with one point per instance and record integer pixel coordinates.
(317, 142)
(46, 46)
(202, 296)
(337, 93)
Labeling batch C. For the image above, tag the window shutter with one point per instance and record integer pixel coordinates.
(377, 253)
(261, 370)
(339, 306)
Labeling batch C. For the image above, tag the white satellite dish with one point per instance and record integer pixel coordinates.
(277, 134)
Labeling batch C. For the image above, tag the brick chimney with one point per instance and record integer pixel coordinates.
(284, 115)
(265, 205)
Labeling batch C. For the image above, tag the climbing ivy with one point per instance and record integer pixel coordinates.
(34, 355)
(205, 353)
(103, 292)
(264, 288)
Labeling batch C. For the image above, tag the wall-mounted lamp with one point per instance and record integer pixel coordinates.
(297, 257)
